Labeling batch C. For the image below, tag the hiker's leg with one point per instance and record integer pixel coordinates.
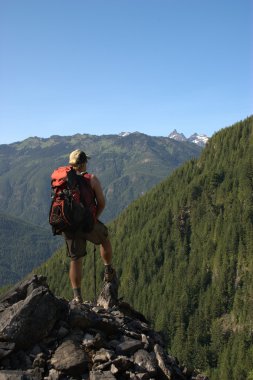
(106, 252)
(109, 295)
(75, 273)
(99, 235)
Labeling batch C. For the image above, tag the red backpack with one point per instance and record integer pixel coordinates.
(67, 212)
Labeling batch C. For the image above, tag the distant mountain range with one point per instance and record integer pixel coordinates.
(197, 139)
(126, 166)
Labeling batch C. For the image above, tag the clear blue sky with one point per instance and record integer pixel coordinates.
(106, 66)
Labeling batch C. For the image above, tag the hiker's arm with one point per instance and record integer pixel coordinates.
(100, 198)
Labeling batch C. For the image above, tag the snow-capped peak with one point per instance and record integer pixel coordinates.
(175, 135)
(200, 140)
(124, 134)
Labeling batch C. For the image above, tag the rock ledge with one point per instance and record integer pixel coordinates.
(43, 337)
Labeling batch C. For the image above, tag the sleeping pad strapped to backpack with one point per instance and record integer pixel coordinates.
(67, 212)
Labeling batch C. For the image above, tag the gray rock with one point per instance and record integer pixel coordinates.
(98, 309)
(122, 363)
(168, 364)
(16, 375)
(103, 355)
(129, 311)
(161, 359)
(62, 332)
(88, 340)
(138, 326)
(109, 294)
(35, 351)
(53, 374)
(82, 317)
(37, 372)
(117, 313)
(21, 290)
(143, 376)
(29, 320)
(14, 362)
(114, 343)
(108, 326)
(69, 358)
(40, 361)
(131, 375)
(132, 334)
(6, 348)
(145, 341)
(24, 360)
(155, 338)
(101, 375)
(128, 346)
(145, 362)
(114, 370)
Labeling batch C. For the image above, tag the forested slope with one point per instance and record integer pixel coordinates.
(23, 247)
(184, 254)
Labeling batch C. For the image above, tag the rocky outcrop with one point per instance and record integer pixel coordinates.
(45, 337)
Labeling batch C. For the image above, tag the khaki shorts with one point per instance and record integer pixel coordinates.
(76, 241)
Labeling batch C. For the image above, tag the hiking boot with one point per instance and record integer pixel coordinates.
(77, 300)
(109, 274)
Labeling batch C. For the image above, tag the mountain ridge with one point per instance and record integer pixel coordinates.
(174, 135)
(195, 138)
(25, 169)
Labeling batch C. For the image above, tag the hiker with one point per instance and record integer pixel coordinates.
(76, 242)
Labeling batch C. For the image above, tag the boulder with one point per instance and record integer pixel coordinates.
(21, 290)
(103, 355)
(6, 348)
(69, 358)
(145, 362)
(82, 316)
(16, 375)
(128, 346)
(30, 320)
(109, 294)
(100, 375)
